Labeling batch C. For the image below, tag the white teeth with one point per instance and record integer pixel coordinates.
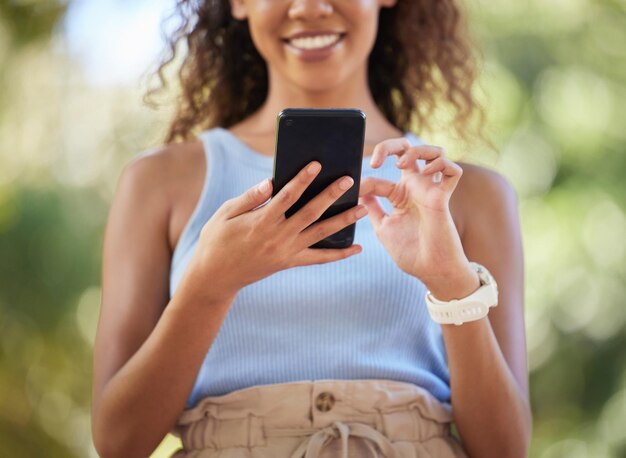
(319, 41)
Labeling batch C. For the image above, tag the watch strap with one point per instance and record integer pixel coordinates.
(470, 308)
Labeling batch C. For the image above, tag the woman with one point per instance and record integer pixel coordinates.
(319, 352)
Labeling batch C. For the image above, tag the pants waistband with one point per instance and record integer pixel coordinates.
(377, 410)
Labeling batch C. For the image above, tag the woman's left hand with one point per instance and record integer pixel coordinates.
(419, 234)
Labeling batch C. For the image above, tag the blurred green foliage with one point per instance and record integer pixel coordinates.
(31, 20)
(554, 87)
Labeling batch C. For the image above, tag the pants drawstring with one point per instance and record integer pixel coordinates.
(312, 446)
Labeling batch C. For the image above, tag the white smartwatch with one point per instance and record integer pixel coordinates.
(469, 308)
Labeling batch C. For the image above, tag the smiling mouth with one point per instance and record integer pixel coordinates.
(316, 42)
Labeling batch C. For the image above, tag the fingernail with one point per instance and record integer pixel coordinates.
(345, 183)
(362, 211)
(265, 185)
(314, 168)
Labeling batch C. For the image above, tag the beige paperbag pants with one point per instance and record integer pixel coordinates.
(319, 419)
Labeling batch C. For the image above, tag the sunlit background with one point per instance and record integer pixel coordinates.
(72, 76)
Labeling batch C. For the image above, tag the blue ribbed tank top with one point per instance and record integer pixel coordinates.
(357, 318)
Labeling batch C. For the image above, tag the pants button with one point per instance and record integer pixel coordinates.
(324, 401)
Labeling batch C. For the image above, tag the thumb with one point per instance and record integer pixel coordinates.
(250, 199)
(376, 186)
(376, 211)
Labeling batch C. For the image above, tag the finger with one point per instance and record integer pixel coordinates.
(407, 160)
(249, 200)
(387, 148)
(311, 256)
(376, 212)
(445, 166)
(376, 186)
(329, 226)
(444, 170)
(292, 191)
(313, 209)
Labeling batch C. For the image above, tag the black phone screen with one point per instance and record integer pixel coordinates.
(335, 138)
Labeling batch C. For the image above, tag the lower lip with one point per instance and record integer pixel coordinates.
(314, 55)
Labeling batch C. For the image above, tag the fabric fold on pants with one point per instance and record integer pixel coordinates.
(311, 447)
(320, 419)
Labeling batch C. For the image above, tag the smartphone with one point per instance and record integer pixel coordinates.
(335, 138)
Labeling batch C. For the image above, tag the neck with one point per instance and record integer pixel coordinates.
(349, 93)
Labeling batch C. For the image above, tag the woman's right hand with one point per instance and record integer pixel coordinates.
(241, 244)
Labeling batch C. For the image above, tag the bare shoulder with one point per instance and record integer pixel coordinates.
(165, 167)
(480, 192)
(170, 177)
(479, 181)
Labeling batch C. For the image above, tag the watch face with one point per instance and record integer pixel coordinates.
(485, 276)
(482, 274)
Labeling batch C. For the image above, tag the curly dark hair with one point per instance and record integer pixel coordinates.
(422, 53)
